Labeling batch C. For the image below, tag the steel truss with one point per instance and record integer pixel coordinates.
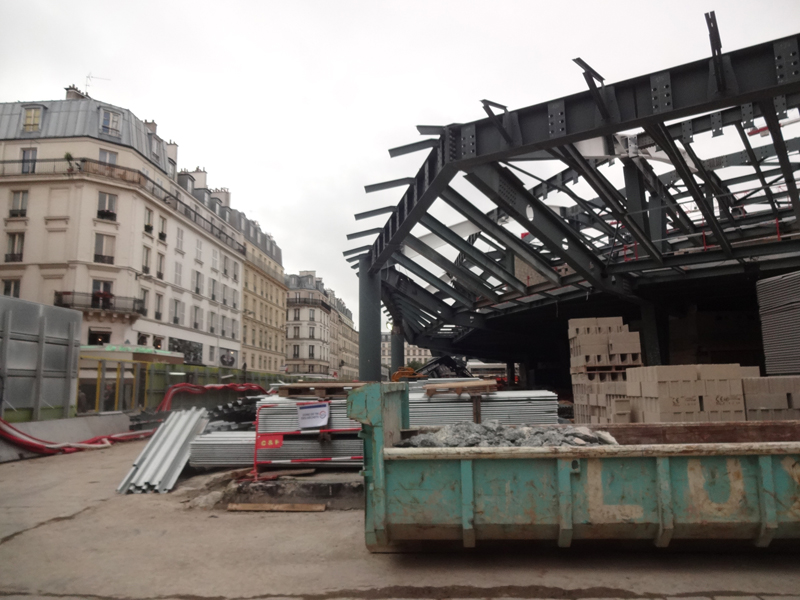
(697, 221)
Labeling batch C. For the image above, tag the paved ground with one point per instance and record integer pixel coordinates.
(65, 534)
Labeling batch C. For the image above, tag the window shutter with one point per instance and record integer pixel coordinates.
(171, 311)
(182, 307)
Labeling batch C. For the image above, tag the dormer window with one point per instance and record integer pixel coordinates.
(109, 123)
(154, 144)
(33, 119)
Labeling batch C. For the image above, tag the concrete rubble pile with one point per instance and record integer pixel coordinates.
(491, 434)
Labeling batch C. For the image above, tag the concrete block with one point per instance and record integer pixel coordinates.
(766, 400)
(609, 321)
(726, 371)
(627, 342)
(725, 415)
(750, 372)
(633, 388)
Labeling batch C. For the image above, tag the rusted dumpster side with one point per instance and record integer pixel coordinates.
(661, 492)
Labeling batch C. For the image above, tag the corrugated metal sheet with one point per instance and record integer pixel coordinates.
(162, 460)
(779, 308)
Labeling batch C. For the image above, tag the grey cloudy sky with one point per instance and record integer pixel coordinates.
(293, 105)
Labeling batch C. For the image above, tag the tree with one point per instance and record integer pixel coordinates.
(415, 364)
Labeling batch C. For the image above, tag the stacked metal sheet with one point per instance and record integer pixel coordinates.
(235, 449)
(162, 460)
(514, 407)
(779, 308)
(282, 416)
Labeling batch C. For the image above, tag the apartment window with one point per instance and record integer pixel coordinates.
(211, 350)
(176, 312)
(158, 342)
(179, 240)
(103, 249)
(148, 220)
(162, 229)
(197, 317)
(171, 169)
(224, 294)
(296, 314)
(159, 306)
(296, 332)
(225, 263)
(295, 351)
(311, 314)
(145, 260)
(198, 250)
(29, 160)
(212, 322)
(197, 282)
(246, 279)
(223, 323)
(236, 271)
(311, 332)
(109, 123)
(215, 259)
(311, 351)
(19, 204)
(297, 295)
(160, 266)
(260, 339)
(253, 336)
(178, 273)
(107, 206)
(311, 367)
(33, 119)
(106, 156)
(145, 295)
(234, 329)
(154, 144)
(235, 298)
(11, 287)
(213, 289)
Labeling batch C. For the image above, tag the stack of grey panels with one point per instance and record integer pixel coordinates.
(779, 308)
(282, 416)
(235, 449)
(162, 460)
(513, 407)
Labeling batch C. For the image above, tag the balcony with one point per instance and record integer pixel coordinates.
(211, 330)
(176, 320)
(14, 257)
(162, 235)
(159, 275)
(102, 258)
(91, 301)
(157, 316)
(16, 213)
(197, 290)
(107, 215)
(89, 166)
(145, 269)
(148, 228)
(308, 302)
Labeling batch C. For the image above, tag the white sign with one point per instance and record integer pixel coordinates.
(313, 415)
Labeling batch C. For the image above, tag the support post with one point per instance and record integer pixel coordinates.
(511, 373)
(655, 332)
(369, 321)
(398, 347)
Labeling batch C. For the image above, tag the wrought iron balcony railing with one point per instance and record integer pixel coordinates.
(78, 166)
(14, 257)
(100, 301)
(102, 258)
(308, 302)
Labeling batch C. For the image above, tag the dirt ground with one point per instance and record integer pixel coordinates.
(65, 533)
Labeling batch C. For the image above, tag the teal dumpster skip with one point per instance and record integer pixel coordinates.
(655, 491)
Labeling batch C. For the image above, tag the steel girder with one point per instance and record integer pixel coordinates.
(757, 84)
(646, 101)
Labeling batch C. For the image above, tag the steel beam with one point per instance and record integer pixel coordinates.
(375, 212)
(462, 275)
(488, 226)
(768, 109)
(431, 279)
(755, 163)
(397, 348)
(474, 255)
(667, 144)
(369, 322)
(508, 192)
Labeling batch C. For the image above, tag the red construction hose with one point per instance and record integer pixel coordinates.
(33, 444)
(190, 388)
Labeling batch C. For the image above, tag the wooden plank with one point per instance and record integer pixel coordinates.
(276, 507)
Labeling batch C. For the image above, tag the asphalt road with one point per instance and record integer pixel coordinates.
(65, 533)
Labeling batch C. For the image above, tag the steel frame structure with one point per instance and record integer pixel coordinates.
(624, 242)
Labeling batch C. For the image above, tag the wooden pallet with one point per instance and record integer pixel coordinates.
(320, 390)
(462, 387)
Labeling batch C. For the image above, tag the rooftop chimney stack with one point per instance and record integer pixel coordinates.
(151, 126)
(73, 93)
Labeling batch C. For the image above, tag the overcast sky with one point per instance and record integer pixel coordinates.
(293, 105)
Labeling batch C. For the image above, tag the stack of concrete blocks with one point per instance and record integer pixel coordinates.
(687, 393)
(601, 350)
(772, 398)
